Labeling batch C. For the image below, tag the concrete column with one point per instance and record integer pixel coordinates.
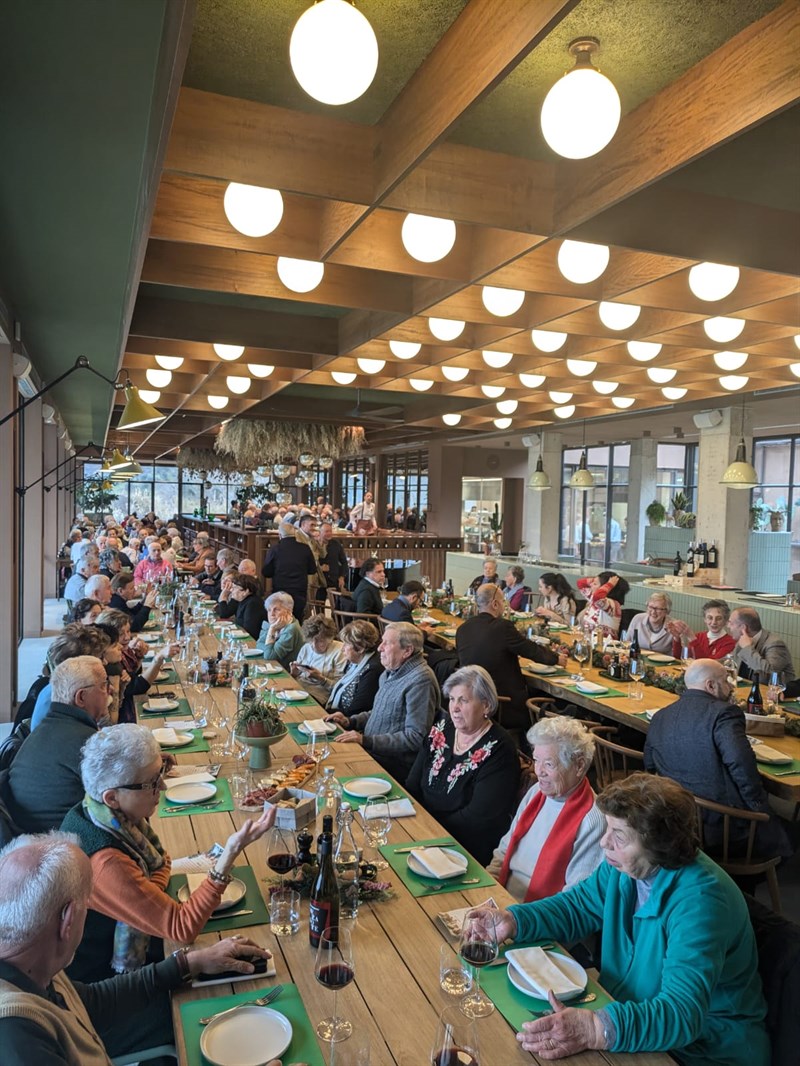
(541, 510)
(445, 469)
(641, 492)
(31, 544)
(723, 514)
(9, 574)
(50, 509)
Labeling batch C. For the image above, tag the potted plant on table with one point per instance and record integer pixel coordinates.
(259, 718)
(656, 513)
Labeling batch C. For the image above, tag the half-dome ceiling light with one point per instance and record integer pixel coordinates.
(618, 316)
(229, 352)
(643, 351)
(723, 330)
(426, 238)
(455, 373)
(446, 329)
(219, 403)
(371, 366)
(159, 379)
(502, 423)
(496, 360)
(420, 384)
(564, 412)
(660, 375)
(150, 395)
(404, 349)
(581, 369)
(169, 362)
(605, 388)
(451, 419)
(502, 302)
(581, 112)
(733, 382)
(713, 281)
(260, 371)
(532, 381)
(795, 369)
(539, 479)
(560, 397)
(238, 383)
(797, 340)
(581, 262)
(623, 402)
(343, 377)
(672, 392)
(300, 275)
(493, 392)
(333, 52)
(507, 407)
(252, 209)
(730, 360)
(548, 340)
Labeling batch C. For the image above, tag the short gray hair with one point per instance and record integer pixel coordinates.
(478, 681)
(718, 605)
(282, 599)
(39, 876)
(95, 583)
(665, 598)
(87, 559)
(113, 617)
(116, 755)
(408, 635)
(227, 556)
(73, 674)
(570, 736)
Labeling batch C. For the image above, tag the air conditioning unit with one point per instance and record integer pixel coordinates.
(22, 370)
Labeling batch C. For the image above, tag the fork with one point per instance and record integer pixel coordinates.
(454, 884)
(195, 808)
(262, 1001)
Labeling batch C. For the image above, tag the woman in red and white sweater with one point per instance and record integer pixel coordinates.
(716, 642)
(605, 595)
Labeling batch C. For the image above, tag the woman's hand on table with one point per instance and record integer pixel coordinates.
(225, 955)
(249, 833)
(351, 736)
(338, 719)
(567, 1031)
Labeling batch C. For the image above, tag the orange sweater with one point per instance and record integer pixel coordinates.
(120, 890)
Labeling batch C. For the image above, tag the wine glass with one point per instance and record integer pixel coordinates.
(281, 851)
(377, 820)
(478, 946)
(319, 747)
(636, 674)
(456, 1040)
(774, 690)
(335, 968)
(581, 653)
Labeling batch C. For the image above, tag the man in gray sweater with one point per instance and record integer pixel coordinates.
(402, 715)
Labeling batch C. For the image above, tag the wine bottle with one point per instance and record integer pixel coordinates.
(323, 907)
(634, 654)
(704, 555)
(676, 566)
(690, 564)
(713, 556)
(246, 690)
(755, 702)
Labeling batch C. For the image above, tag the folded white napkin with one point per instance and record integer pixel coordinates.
(437, 863)
(590, 686)
(269, 972)
(182, 723)
(765, 753)
(542, 970)
(159, 703)
(399, 808)
(316, 727)
(165, 736)
(192, 864)
(190, 779)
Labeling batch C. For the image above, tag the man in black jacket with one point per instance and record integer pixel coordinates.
(288, 566)
(367, 593)
(401, 607)
(210, 580)
(493, 642)
(123, 593)
(700, 742)
(332, 559)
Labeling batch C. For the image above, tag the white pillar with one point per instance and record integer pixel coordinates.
(541, 510)
(9, 574)
(723, 514)
(31, 546)
(50, 513)
(641, 492)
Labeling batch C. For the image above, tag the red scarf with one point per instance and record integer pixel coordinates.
(550, 872)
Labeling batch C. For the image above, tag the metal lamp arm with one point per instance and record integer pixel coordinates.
(81, 363)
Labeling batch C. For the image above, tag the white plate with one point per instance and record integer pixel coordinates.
(221, 622)
(233, 894)
(163, 675)
(589, 688)
(252, 653)
(181, 741)
(658, 657)
(192, 793)
(330, 727)
(169, 705)
(416, 866)
(542, 668)
(572, 969)
(250, 1037)
(150, 638)
(293, 695)
(449, 632)
(363, 787)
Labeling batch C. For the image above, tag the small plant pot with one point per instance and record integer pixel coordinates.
(256, 729)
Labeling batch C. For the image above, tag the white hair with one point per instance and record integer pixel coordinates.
(664, 597)
(282, 599)
(570, 736)
(37, 885)
(73, 674)
(116, 756)
(94, 584)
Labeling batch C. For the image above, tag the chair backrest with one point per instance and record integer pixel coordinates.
(341, 618)
(382, 624)
(627, 617)
(527, 774)
(614, 762)
(778, 944)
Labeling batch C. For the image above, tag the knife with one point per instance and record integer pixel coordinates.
(228, 914)
(196, 809)
(421, 847)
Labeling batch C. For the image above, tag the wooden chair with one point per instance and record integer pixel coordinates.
(334, 598)
(341, 618)
(746, 865)
(613, 762)
(382, 624)
(542, 707)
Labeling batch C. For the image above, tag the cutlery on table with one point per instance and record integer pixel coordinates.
(421, 847)
(590, 997)
(502, 960)
(228, 914)
(194, 809)
(262, 1001)
(455, 884)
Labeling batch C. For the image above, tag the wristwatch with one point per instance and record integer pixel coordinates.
(183, 963)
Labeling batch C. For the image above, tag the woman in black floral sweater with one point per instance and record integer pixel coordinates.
(467, 772)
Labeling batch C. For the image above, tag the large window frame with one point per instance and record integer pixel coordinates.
(407, 481)
(684, 477)
(355, 478)
(785, 491)
(610, 467)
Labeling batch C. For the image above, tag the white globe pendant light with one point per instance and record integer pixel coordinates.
(564, 412)
(496, 360)
(371, 366)
(797, 340)
(507, 407)
(532, 381)
(169, 362)
(420, 384)
(149, 395)
(623, 402)
(159, 379)
(660, 375)
(229, 352)
(343, 377)
(446, 329)
(580, 369)
(260, 371)
(730, 360)
(493, 392)
(502, 423)
(723, 330)
(618, 316)
(605, 388)
(251, 209)
(548, 340)
(238, 383)
(560, 397)
(581, 113)
(218, 402)
(451, 420)
(333, 52)
(455, 373)
(502, 302)
(426, 238)
(300, 275)
(404, 349)
(581, 262)
(733, 382)
(713, 281)
(672, 392)
(643, 351)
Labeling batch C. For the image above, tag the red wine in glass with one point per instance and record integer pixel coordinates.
(282, 862)
(336, 975)
(478, 952)
(454, 1056)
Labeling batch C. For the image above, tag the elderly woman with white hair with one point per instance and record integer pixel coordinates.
(653, 626)
(281, 637)
(467, 771)
(554, 839)
(123, 775)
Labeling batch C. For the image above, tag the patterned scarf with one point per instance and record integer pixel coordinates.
(138, 841)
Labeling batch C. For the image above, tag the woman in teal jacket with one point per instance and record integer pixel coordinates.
(678, 951)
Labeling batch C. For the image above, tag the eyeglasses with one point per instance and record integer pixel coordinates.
(657, 610)
(154, 785)
(98, 684)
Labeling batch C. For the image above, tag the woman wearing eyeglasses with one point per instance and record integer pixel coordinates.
(653, 626)
(121, 769)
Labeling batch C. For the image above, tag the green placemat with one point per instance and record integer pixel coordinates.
(780, 769)
(426, 886)
(793, 705)
(303, 1048)
(175, 810)
(613, 693)
(240, 635)
(301, 705)
(253, 901)
(515, 1007)
(303, 738)
(354, 801)
(198, 744)
(261, 673)
(545, 677)
(183, 710)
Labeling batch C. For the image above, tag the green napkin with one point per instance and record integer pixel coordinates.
(780, 769)
(355, 802)
(198, 744)
(303, 1048)
(174, 810)
(253, 901)
(303, 738)
(183, 710)
(612, 693)
(515, 1006)
(426, 886)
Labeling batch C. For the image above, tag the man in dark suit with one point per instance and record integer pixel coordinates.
(493, 642)
(332, 559)
(700, 742)
(123, 591)
(288, 566)
(367, 593)
(400, 608)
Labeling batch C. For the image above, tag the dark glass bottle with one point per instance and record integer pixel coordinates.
(323, 908)
(246, 690)
(755, 701)
(713, 556)
(676, 566)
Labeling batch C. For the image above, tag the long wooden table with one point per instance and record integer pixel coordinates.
(395, 995)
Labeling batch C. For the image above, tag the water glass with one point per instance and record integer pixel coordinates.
(284, 911)
(455, 1041)
(455, 977)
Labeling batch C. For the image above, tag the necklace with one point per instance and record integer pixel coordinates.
(460, 746)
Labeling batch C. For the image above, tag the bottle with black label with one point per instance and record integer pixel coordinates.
(713, 556)
(703, 555)
(323, 907)
(755, 702)
(635, 653)
(676, 566)
(690, 563)
(247, 692)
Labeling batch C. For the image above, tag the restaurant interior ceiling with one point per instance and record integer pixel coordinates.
(132, 119)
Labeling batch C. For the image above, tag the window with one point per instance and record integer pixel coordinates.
(594, 523)
(407, 481)
(676, 471)
(478, 498)
(777, 463)
(355, 479)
